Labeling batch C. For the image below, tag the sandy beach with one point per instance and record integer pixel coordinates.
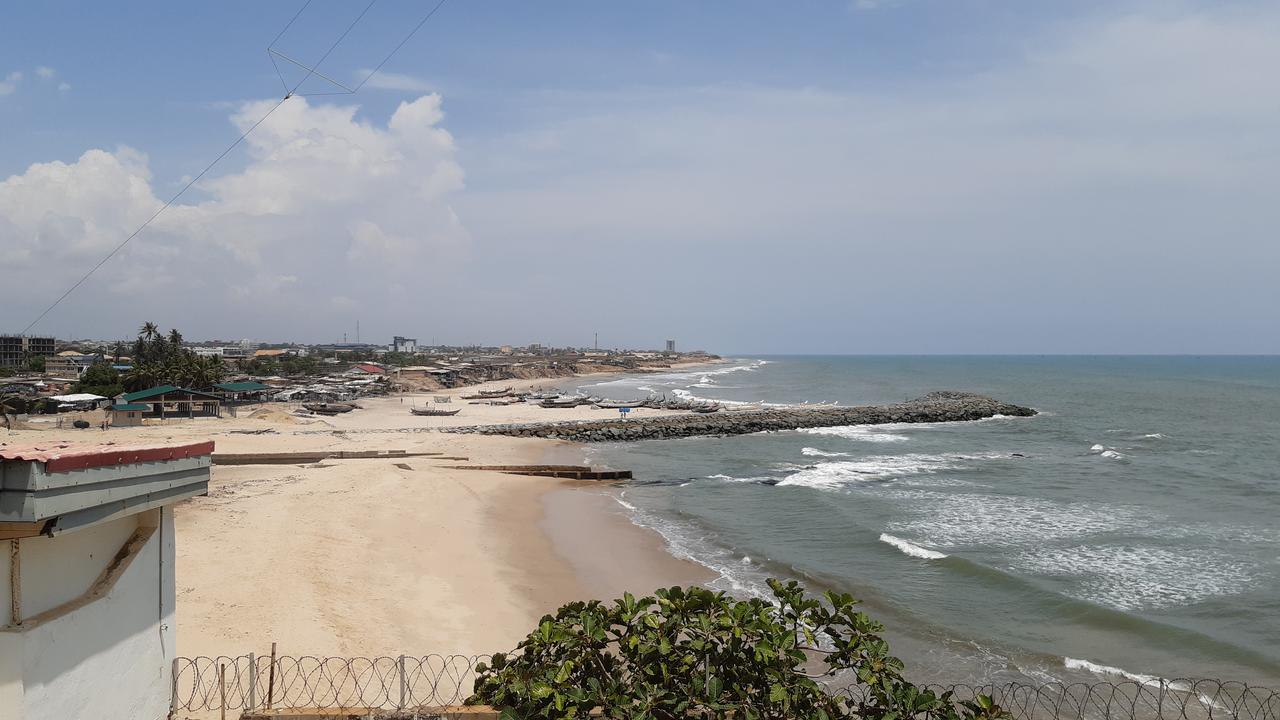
(364, 557)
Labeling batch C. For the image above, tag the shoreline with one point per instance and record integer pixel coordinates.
(378, 557)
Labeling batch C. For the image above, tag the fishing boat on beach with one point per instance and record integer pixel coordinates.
(488, 394)
(434, 412)
(615, 404)
(329, 408)
(565, 401)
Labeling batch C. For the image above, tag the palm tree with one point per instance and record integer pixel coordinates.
(117, 352)
(175, 338)
(149, 331)
(140, 377)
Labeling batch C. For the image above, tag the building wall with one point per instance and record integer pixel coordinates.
(14, 349)
(61, 568)
(110, 658)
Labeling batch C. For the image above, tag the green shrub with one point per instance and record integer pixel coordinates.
(693, 652)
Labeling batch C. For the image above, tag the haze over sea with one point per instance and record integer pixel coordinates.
(1128, 532)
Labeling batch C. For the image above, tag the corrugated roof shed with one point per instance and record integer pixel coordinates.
(164, 390)
(248, 386)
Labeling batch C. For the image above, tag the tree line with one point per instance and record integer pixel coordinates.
(157, 359)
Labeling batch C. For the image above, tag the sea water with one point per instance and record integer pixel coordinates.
(1131, 531)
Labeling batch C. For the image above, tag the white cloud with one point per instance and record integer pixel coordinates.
(10, 83)
(327, 202)
(64, 87)
(45, 72)
(394, 81)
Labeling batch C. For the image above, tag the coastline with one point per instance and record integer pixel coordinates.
(378, 557)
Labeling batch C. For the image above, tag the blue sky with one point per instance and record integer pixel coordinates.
(892, 176)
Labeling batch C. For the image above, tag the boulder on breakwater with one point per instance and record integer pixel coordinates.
(944, 406)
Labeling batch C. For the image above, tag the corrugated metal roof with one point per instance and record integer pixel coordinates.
(162, 390)
(61, 457)
(242, 386)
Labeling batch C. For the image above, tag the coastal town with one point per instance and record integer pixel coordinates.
(158, 377)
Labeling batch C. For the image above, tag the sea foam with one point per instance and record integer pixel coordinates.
(842, 473)
(911, 548)
(815, 452)
(861, 433)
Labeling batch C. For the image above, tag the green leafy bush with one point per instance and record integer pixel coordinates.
(693, 652)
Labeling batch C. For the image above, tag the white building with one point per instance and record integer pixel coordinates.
(404, 344)
(86, 576)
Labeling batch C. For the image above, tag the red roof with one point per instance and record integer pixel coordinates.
(370, 368)
(65, 456)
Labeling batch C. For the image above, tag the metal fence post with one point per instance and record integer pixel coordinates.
(404, 684)
(173, 689)
(253, 682)
(271, 679)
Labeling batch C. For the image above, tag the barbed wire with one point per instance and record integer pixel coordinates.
(250, 682)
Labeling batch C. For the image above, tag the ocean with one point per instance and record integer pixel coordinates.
(1131, 531)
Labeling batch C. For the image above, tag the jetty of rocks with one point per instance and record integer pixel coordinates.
(946, 406)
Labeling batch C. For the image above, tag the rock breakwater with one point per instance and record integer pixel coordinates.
(944, 406)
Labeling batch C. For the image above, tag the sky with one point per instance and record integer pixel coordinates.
(865, 176)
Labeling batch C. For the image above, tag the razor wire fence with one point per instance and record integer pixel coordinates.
(251, 683)
(1164, 699)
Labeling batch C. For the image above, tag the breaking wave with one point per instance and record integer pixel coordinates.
(862, 433)
(911, 549)
(815, 452)
(839, 474)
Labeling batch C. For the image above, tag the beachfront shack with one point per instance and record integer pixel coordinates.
(242, 392)
(87, 576)
(170, 401)
(127, 414)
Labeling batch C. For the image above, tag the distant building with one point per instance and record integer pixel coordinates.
(127, 414)
(15, 350)
(348, 347)
(506, 350)
(88, 576)
(369, 369)
(169, 401)
(671, 346)
(404, 344)
(68, 366)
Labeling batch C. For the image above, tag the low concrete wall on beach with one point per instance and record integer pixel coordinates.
(934, 407)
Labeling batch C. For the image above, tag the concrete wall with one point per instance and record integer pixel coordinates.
(61, 568)
(110, 658)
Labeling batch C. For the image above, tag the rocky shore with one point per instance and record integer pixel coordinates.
(944, 406)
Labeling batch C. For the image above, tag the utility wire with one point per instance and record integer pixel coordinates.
(412, 32)
(289, 24)
(312, 70)
(279, 35)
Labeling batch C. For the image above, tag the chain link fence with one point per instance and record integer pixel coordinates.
(255, 683)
